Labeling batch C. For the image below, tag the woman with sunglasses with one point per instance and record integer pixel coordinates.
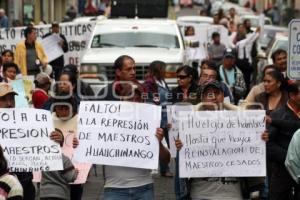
(187, 88)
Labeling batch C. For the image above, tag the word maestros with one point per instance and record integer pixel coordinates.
(25, 139)
(118, 133)
(221, 143)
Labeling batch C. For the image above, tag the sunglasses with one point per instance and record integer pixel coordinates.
(182, 76)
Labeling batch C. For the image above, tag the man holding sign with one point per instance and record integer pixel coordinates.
(218, 185)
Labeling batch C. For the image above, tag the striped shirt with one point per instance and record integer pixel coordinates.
(10, 188)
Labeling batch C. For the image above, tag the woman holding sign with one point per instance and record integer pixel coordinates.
(65, 119)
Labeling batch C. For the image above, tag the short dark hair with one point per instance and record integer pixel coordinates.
(7, 51)
(71, 68)
(293, 87)
(276, 53)
(120, 61)
(64, 98)
(155, 68)
(29, 30)
(10, 65)
(215, 34)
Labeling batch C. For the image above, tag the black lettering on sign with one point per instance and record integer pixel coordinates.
(118, 153)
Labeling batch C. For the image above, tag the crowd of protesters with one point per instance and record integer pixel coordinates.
(222, 81)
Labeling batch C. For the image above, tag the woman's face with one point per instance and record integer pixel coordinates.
(7, 58)
(63, 111)
(190, 31)
(10, 73)
(271, 84)
(183, 79)
(64, 84)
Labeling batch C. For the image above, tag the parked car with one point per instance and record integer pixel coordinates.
(145, 40)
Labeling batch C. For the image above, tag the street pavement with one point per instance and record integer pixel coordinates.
(163, 186)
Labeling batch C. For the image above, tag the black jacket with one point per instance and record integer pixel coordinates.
(106, 93)
(193, 93)
(280, 136)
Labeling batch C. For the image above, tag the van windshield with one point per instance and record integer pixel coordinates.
(135, 39)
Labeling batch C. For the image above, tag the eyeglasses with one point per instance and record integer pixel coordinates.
(182, 76)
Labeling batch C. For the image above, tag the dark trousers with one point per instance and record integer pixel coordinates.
(247, 69)
(76, 191)
(56, 72)
(282, 185)
(28, 191)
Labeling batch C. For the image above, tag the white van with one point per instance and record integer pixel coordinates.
(145, 40)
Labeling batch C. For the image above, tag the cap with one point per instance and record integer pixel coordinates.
(43, 78)
(229, 53)
(55, 23)
(215, 84)
(6, 89)
(48, 69)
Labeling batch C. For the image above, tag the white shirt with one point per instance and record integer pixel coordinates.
(244, 46)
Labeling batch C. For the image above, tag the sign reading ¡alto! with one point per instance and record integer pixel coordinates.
(118, 133)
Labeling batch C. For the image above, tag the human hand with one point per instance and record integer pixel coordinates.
(159, 134)
(57, 136)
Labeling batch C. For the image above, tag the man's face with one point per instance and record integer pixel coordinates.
(295, 98)
(228, 62)
(207, 75)
(280, 62)
(55, 29)
(7, 101)
(32, 36)
(127, 73)
(216, 39)
(212, 98)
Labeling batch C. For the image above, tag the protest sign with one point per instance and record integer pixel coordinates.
(294, 50)
(222, 144)
(118, 134)
(68, 150)
(20, 99)
(51, 46)
(173, 118)
(25, 139)
(77, 35)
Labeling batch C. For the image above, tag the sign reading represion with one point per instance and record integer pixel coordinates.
(222, 144)
(25, 139)
(118, 134)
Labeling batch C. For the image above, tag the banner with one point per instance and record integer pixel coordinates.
(118, 134)
(77, 35)
(25, 139)
(222, 144)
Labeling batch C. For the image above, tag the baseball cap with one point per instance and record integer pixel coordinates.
(229, 53)
(215, 84)
(6, 89)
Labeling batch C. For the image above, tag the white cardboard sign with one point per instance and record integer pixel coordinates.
(25, 139)
(118, 133)
(222, 144)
